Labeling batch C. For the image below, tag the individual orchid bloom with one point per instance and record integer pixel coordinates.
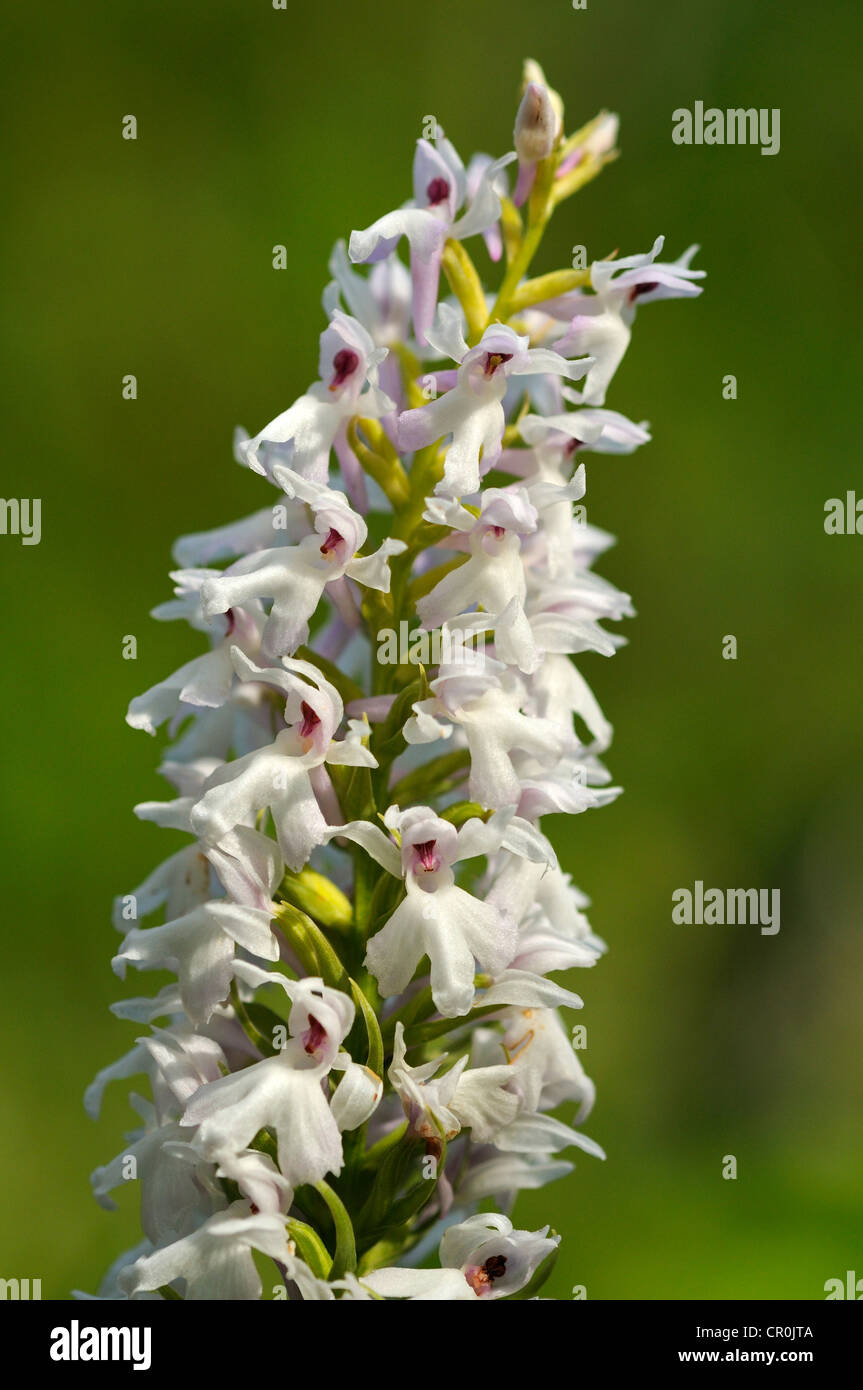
(276, 525)
(283, 1093)
(249, 865)
(601, 324)
(475, 174)
(471, 412)
(437, 918)
(576, 783)
(566, 619)
(381, 302)
(532, 1131)
(593, 431)
(243, 722)
(493, 576)
(545, 1065)
(215, 1261)
(487, 709)
(318, 1018)
(174, 1199)
(187, 778)
(254, 1173)
(559, 692)
(317, 422)
(280, 778)
(462, 1098)
(549, 551)
(179, 884)
(439, 186)
(482, 1257)
(554, 933)
(177, 1062)
(503, 1175)
(295, 577)
(200, 946)
(207, 680)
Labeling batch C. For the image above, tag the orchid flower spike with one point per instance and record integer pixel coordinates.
(364, 921)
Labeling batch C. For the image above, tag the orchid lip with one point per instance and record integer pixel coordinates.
(314, 1037)
(437, 191)
(644, 288)
(482, 1277)
(427, 855)
(493, 360)
(332, 540)
(345, 364)
(309, 722)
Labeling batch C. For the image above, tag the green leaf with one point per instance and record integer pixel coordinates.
(345, 1256)
(427, 1032)
(313, 948)
(401, 1211)
(311, 1248)
(463, 811)
(425, 781)
(397, 1168)
(265, 1143)
(354, 789)
(375, 1058)
(415, 1011)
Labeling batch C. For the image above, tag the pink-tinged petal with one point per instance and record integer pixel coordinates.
(425, 277)
(526, 180)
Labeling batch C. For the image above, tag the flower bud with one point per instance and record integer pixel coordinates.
(603, 137)
(537, 124)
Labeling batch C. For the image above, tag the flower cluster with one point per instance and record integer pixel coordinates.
(360, 1051)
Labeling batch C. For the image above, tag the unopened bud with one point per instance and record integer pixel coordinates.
(536, 125)
(313, 893)
(603, 138)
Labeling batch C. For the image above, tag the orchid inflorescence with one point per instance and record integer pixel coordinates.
(361, 1049)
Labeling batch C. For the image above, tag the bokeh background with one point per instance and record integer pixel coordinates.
(259, 127)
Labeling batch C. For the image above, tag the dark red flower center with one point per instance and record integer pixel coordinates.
(314, 1036)
(437, 191)
(345, 364)
(644, 288)
(493, 360)
(332, 539)
(309, 721)
(426, 854)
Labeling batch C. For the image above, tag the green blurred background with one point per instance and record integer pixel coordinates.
(259, 127)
